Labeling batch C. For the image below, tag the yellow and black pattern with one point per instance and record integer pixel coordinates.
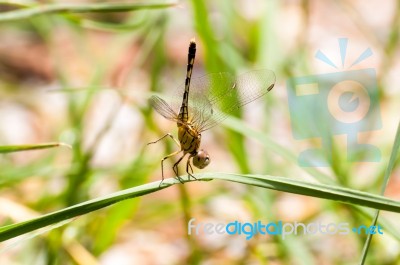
(212, 98)
(183, 113)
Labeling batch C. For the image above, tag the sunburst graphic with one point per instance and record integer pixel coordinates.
(343, 51)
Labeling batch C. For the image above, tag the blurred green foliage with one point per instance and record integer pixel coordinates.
(73, 58)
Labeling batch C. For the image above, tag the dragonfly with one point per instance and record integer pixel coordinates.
(202, 103)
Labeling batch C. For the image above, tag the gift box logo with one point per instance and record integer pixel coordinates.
(340, 103)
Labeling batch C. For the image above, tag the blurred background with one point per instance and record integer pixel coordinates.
(84, 79)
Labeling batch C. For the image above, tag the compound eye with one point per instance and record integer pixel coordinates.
(201, 159)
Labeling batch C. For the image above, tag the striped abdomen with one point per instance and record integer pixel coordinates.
(183, 112)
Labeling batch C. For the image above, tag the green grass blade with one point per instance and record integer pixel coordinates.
(18, 148)
(388, 172)
(112, 27)
(78, 8)
(330, 192)
(14, 230)
(270, 182)
(17, 3)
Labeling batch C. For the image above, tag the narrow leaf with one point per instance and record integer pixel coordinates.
(27, 147)
(78, 8)
(270, 182)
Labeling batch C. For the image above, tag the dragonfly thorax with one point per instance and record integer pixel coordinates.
(189, 138)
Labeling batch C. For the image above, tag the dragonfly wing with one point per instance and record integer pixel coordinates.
(163, 108)
(213, 97)
(203, 106)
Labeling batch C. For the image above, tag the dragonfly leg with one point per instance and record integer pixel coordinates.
(175, 168)
(162, 165)
(168, 134)
(188, 165)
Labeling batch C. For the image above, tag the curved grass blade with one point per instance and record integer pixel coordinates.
(17, 240)
(78, 8)
(329, 192)
(17, 3)
(241, 127)
(105, 26)
(11, 231)
(27, 147)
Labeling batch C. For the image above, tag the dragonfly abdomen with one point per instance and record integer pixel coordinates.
(183, 112)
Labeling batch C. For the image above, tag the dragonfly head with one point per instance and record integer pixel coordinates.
(201, 159)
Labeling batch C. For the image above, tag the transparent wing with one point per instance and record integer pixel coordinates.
(214, 96)
(163, 108)
(200, 108)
